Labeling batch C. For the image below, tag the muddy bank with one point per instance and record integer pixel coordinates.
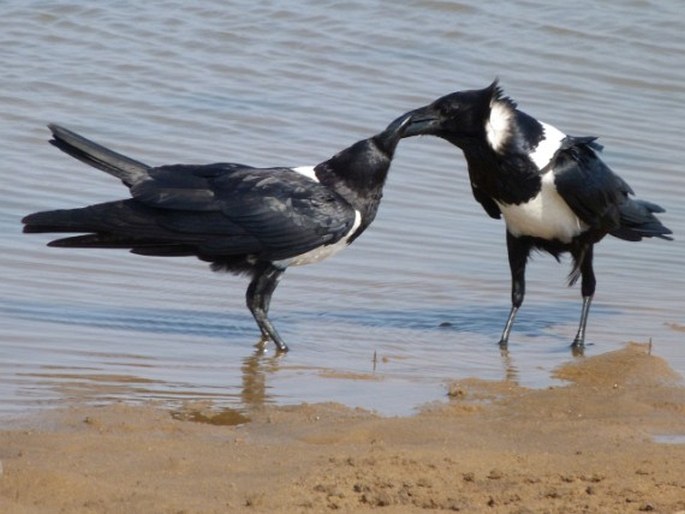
(612, 440)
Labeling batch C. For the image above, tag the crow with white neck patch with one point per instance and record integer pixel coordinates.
(553, 191)
(244, 220)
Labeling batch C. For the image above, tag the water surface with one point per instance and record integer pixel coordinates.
(420, 299)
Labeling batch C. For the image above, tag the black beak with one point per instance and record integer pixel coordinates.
(388, 139)
(422, 121)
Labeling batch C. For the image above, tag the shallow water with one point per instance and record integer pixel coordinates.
(273, 85)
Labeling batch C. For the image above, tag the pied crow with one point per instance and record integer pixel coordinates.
(241, 219)
(553, 191)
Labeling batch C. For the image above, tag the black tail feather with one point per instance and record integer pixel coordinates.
(118, 224)
(111, 241)
(92, 241)
(143, 230)
(129, 171)
(638, 221)
(64, 220)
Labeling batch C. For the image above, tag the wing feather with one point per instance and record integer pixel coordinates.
(284, 211)
(589, 187)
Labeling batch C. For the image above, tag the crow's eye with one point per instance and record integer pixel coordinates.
(447, 109)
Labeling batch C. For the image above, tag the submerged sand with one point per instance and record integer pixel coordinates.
(612, 440)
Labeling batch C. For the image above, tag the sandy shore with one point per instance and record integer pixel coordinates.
(613, 440)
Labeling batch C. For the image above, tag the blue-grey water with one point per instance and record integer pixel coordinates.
(291, 83)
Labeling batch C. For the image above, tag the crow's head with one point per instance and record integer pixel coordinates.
(461, 115)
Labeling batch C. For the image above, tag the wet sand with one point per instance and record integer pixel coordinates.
(612, 440)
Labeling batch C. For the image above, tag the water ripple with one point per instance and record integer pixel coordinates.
(426, 289)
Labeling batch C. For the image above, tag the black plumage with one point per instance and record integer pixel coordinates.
(553, 190)
(241, 219)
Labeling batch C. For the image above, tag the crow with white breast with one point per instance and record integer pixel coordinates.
(553, 191)
(244, 220)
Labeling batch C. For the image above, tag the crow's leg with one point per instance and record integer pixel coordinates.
(518, 251)
(588, 290)
(258, 297)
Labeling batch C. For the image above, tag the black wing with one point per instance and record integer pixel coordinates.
(592, 191)
(283, 212)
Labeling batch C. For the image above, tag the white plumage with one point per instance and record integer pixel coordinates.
(544, 152)
(546, 215)
(325, 251)
(499, 126)
(307, 171)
